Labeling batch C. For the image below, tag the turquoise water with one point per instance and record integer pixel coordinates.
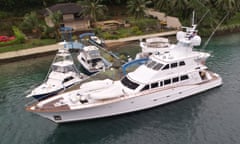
(212, 117)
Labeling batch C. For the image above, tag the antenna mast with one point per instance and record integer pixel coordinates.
(193, 18)
(206, 43)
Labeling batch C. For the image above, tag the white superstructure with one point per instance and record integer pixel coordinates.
(91, 59)
(154, 45)
(165, 78)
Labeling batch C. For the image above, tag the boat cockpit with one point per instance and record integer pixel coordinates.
(64, 69)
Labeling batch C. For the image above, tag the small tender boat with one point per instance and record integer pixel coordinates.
(96, 40)
(62, 75)
(93, 39)
(91, 59)
(165, 78)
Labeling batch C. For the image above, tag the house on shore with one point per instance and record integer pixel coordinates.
(71, 16)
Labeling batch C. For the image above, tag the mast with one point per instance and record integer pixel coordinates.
(193, 18)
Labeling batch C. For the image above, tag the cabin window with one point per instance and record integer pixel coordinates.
(96, 60)
(175, 79)
(57, 117)
(173, 65)
(83, 59)
(68, 69)
(150, 63)
(182, 63)
(161, 83)
(146, 87)
(157, 67)
(202, 75)
(67, 79)
(167, 81)
(128, 83)
(166, 67)
(184, 77)
(154, 85)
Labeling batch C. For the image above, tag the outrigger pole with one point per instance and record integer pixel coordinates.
(206, 43)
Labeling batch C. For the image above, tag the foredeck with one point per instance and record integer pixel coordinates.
(48, 107)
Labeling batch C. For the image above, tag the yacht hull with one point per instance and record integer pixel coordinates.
(42, 96)
(46, 95)
(127, 104)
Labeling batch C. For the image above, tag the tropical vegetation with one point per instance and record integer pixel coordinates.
(93, 8)
(209, 13)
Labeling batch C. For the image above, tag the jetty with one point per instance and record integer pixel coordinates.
(134, 38)
(50, 49)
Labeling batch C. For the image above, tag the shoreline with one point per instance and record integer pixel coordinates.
(50, 49)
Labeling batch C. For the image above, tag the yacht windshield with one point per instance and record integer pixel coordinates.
(128, 83)
(62, 69)
(182, 44)
(94, 54)
(157, 66)
(150, 63)
(153, 65)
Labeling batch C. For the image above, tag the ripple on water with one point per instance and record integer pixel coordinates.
(210, 117)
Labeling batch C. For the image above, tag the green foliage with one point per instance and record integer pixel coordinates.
(108, 35)
(97, 30)
(20, 38)
(32, 24)
(235, 19)
(121, 33)
(93, 8)
(144, 24)
(56, 19)
(137, 7)
(4, 15)
(48, 32)
(136, 30)
(28, 44)
(6, 25)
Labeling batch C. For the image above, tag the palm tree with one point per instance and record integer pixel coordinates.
(32, 23)
(93, 8)
(137, 7)
(230, 6)
(180, 8)
(161, 4)
(56, 19)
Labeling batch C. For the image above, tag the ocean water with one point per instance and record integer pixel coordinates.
(212, 117)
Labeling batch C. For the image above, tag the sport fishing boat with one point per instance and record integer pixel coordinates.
(62, 75)
(91, 59)
(165, 78)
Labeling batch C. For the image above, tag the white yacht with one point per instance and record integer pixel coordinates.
(91, 59)
(163, 79)
(154, 45)
(62, 75)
